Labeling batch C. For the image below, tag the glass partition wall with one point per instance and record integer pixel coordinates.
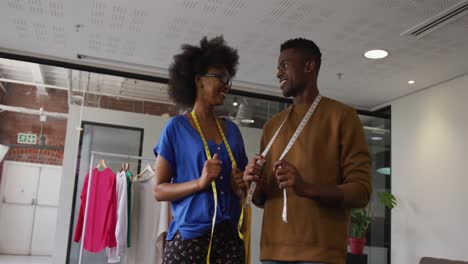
(378, 135)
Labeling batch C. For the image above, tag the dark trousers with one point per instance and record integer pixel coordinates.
(226, 248)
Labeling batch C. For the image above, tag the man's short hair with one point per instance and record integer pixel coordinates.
(308, 48)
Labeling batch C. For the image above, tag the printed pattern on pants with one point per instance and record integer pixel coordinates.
(227, 248)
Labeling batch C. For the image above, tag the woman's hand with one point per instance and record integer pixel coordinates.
(211, 171)
(237, 183)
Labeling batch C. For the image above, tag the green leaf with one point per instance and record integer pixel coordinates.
(387, 199)
(361, 217)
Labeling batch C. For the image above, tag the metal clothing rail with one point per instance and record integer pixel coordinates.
(91, 162)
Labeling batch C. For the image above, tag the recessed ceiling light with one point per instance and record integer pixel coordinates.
(376, 138)
(411, 82)
(247, 121)
(376, 54)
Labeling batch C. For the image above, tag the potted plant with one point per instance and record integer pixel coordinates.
(362, 217)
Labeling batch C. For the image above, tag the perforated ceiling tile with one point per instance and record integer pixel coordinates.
(119, 14)
(35, 7)
(112, 44)
(40, 31)
(18, 5)
(349, 28)
(443, 4)
(95, 42)
(59, 35)
(22, 28)
(190, 4)
(128, 48)
(388, 3)
(458, 45)
(150, 33)
(326, 12)
(365, 34)
(177, 24)
(247, 40)
(425, 13)
(195, 30)
(97, 12)
(361, 21)
(138, 19)
(234, 7)
(56, 8)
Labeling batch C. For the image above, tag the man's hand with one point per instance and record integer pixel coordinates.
(253, 171)
(287, 175)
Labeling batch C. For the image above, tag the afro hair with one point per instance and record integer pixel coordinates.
(195, 60)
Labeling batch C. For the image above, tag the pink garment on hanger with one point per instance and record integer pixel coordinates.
(102, 212)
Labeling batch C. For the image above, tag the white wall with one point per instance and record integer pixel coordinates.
(430, 173)
(152, 126)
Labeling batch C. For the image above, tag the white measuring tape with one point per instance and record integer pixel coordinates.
(286, 150)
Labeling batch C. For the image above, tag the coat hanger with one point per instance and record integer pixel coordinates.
(102, 164)
(127, 170)
(146, 169)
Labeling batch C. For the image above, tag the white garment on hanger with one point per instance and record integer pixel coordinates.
(114, 254)
(163, 228)
(146, 216)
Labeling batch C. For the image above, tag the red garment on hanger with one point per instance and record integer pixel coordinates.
(102, 212)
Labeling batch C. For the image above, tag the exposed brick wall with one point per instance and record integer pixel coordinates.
(132, 106)
(13, 123)
(25, 96)
(43, 156)
(55, 129)
(57, 101)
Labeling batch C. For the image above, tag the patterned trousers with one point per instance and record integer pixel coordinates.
(226, 248)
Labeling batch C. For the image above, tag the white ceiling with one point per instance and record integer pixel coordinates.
(142, 36)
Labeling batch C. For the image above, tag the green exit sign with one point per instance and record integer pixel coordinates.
(24, 138)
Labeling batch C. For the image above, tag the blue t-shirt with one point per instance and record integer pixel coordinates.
(181, 145)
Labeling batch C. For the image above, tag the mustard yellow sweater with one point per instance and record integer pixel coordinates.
(331, 150)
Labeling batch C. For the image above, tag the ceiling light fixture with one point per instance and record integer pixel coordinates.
(235, 103)
(376, 54)
(411, 82)
(384, 171)
(376, 138)
(247, 121)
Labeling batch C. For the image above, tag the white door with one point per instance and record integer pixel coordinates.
(45, 217)
(19, 185)
(28, 210)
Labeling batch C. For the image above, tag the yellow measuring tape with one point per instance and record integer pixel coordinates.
(213, 184)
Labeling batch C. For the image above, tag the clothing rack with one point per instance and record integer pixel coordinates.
(103, 154)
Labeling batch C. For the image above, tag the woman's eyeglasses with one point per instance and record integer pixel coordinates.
(221, 77)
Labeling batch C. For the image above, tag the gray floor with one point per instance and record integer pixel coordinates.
(7, 259)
